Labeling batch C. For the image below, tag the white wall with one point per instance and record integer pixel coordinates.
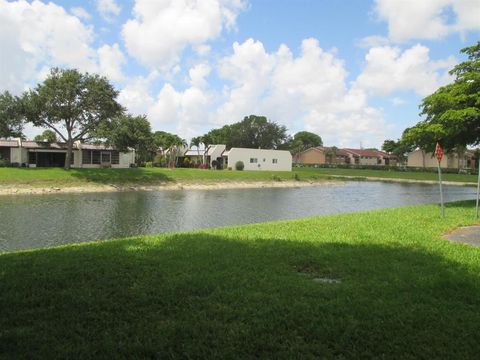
(215, 152)
(264, 159)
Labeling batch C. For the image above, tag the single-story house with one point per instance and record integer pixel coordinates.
(253, 159)
(258, 159)
(420, 158)
(44, 154)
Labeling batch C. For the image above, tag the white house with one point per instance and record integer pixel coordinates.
(259, 159)
(44, 154)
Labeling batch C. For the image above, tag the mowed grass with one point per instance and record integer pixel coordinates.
(248, 292)
(44, 177)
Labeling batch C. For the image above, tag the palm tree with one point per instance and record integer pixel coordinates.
(207, 141)
(196, 141)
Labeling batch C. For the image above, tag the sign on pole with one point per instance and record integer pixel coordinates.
(439, 154)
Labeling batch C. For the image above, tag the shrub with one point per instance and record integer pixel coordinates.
(296, 176)
(159, 161)
(239, 165)
(276, 178)
(4, 163)
(148, 164)
(215, 164)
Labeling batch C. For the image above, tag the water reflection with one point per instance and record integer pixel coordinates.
(35, 221)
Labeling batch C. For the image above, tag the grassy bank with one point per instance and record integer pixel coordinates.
(43, 177)
(400, 291)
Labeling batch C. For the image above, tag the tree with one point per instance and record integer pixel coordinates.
(398, 148)
(128, 131)
(11, 119)
(453, 111)
(172, 142)
(304, 140)
(196, 141)
(71, 104)
(252, 132)
(48, 136)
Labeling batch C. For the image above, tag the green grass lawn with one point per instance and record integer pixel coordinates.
(41, 177)
(247, 292)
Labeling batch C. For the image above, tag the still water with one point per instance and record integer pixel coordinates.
(35, 221)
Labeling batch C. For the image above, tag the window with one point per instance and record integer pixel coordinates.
(86, 157)
(105, 157)
(274, 161)
(115, 157)
(253, 160)
(96, 157)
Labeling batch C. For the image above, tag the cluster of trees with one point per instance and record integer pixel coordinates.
(258, 132)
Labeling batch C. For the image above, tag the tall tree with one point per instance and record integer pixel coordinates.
(128, 131)
(252, 132)
(304, 140)
(11, 119)
(72, 104)
(172, 142)
(453, 111)
(48, 136)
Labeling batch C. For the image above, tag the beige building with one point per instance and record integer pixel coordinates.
(420, 158)
(259, 159)
(43, 154)
(323, 155)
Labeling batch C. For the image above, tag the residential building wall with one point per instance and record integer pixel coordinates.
(420, 158)
(264, 159)
(311, 156)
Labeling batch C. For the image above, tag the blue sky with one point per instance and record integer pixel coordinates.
(353, 72)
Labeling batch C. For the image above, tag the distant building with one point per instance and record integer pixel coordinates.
(330, 155)
(253, 159)
(43, 154)
(420, 158)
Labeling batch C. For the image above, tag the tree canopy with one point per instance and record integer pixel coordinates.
(252, 132)
(11, 119)
(48, 136)
(303, 140)
(72, 104)
(453, 111)
(128, 131)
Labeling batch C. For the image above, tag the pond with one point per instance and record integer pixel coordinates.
(36, 221)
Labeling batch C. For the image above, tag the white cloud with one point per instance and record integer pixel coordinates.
(37, 34)
(388, 69)
(428, 19)
(373, 41)
(81, 13)
(184, 112)
(160, 30)
(396, 101)
(108, 9)
(308, 91)
(111, 60)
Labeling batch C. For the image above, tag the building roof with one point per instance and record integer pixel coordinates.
(95, 147)
(191, 152)
(45, 145)
(8, 143)
(368, 153)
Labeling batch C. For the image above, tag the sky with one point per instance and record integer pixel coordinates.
(353, 72)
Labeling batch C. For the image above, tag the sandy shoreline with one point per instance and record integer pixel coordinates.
(161, 187)
(25, 190)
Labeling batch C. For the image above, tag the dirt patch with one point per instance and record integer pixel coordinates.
(469, 235)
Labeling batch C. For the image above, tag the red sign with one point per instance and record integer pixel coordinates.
(439, 152)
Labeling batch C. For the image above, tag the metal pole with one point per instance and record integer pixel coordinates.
(441, 190)
(478, 192)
